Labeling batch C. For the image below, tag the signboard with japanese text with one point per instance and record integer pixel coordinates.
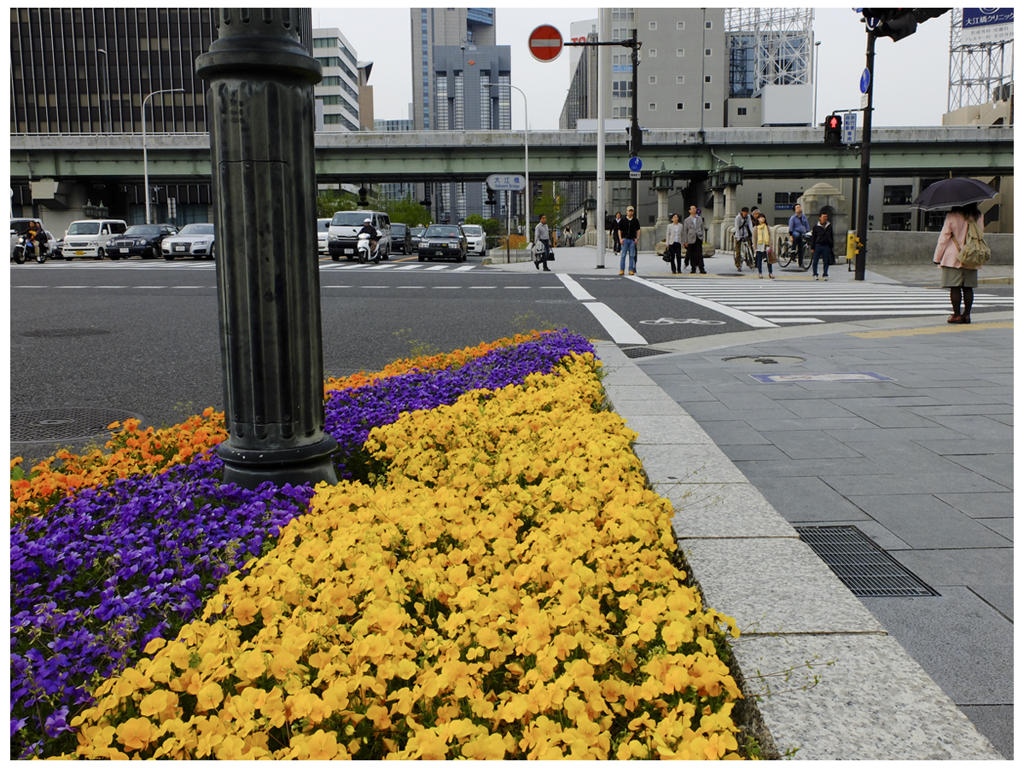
(987, 25)
(513, 182)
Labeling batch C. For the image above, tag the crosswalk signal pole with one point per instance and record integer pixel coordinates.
(865, 167)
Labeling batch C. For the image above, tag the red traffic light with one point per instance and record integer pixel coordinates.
(833, 122)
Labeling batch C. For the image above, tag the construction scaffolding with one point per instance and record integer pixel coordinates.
(768, 46)
(978, 72)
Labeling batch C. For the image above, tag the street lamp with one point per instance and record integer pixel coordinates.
(816, 54)
(145, 159)
(526, 142)
(106, 66)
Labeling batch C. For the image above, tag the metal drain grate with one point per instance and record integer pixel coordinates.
(865, 568)
(635, 352)
(47, 425)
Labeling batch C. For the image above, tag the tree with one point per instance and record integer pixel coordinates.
(406, 211)
(492, 227)
(551, 206)
(330, 201)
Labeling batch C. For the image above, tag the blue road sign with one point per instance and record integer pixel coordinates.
(865, 80)
(635, 163)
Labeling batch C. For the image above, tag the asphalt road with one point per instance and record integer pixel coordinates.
(142, 337)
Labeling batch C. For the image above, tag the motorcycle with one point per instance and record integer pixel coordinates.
(21, 250)
(365, 252)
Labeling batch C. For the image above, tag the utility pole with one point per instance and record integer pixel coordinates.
(865, 167)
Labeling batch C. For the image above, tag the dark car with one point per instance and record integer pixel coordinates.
(401, 238)
(416, 234)
(443, 241)
(140, 240)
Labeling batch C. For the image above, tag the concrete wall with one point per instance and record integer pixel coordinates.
(919, 247)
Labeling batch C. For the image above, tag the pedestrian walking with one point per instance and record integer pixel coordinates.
(763, 244)
(674, 244)
(542, 240)
(568, 236)
(742, 230)
(693, 236)
(822, 245)
(616, 241)
(959, 278)
(629, 233)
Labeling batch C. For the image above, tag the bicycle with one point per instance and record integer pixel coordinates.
(747, 252)
(787, 254)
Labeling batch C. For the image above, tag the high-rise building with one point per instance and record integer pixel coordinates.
(338, 91)
(91, 71)
(460, 83)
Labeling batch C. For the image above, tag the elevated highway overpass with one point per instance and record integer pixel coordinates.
(377, 157)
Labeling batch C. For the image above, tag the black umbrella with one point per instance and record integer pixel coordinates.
(950, 193)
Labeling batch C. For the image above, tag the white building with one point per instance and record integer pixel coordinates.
(337, 95)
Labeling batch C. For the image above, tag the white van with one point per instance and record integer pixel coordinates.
(341, 237)
(88, 238)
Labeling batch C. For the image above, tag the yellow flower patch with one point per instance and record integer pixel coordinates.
(506, 590)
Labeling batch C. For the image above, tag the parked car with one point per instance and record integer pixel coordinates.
(341, 237)
(322, 228)
(415, 236)
(140, 240)
(90, 238)
(476, 239)
(195, 240)
(58, 248)
(401, 238)
(443, 241)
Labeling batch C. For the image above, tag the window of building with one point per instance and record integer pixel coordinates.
(899, 194)
(896, 221)
(679, 106)
(741, 110)
(759, 200)
(680, 79)
(652, 107)
(707, 51)
(707, 25)
(652, 53)
(707, 78)
(680, 53)
(622, 89)
(680, 25)
(652, 25)
(653, 79)
(707, 105)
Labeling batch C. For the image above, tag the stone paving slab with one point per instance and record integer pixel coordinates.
(667, 464)
(656, 429)
(981, 505)
(873, 702)
(732, 510)
(925, 522)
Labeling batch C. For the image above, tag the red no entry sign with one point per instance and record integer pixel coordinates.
(545, 43)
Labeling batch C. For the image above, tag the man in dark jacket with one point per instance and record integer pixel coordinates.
(822, 245)
(629, 233)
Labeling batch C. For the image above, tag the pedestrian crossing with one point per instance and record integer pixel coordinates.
(204, 265)
(803, 302)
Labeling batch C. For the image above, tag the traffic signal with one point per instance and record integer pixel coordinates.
(897, 23)
(834, 130)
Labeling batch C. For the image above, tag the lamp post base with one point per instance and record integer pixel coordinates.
(249, 468)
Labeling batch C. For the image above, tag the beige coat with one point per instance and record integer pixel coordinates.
(954, 227)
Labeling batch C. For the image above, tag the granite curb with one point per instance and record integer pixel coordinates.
(827, 680)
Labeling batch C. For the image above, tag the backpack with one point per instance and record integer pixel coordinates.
(975, 252)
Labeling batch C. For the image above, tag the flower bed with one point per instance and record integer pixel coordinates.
(503, 588)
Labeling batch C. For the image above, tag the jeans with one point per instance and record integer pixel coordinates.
(822, 252)
(628, 247)
(762, 256)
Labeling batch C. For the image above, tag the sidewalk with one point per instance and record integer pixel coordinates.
(921, 465)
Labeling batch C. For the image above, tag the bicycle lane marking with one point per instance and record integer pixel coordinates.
(621, 331)
(735, 314)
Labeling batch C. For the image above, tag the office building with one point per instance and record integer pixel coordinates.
(460, 83)
(338, 91)
(91, 71)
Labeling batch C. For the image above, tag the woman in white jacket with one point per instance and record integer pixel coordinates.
(674, 244)
(960, 280)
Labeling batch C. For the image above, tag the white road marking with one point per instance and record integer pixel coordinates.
(464, 269)
(735, 314)
(621, 331)
(575, 288)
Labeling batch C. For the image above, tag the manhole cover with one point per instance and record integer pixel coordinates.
(47, 425)
(644, 352)
(865, 568)
(64, 333)
(763, 359)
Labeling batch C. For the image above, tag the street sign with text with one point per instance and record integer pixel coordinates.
(513, 182)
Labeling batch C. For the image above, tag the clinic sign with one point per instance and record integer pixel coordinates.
(987, 25)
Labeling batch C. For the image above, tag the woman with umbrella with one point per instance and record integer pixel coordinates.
(963, 196)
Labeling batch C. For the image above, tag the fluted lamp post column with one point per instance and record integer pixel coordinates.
(260, 107)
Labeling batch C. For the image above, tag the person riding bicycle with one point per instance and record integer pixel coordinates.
(742, 230)
(369, 229)
(799, 228)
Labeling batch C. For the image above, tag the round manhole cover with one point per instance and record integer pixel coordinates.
(64, 333)
(51, 424)
(764, 359)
